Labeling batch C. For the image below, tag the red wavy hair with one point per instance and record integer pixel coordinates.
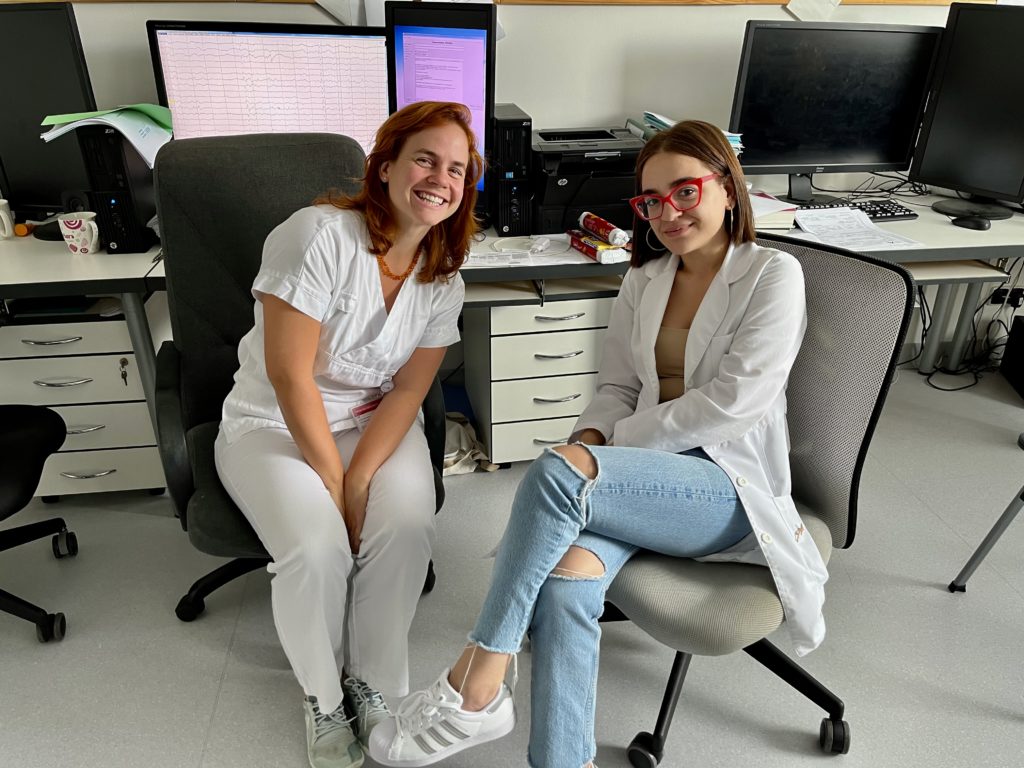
(446, 244)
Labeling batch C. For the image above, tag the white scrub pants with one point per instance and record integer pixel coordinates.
(331, 609)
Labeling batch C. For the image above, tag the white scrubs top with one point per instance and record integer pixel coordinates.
(319, 262)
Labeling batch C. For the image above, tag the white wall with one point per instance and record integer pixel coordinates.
(566, 66)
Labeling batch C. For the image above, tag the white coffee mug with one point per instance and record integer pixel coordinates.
(6, 220)
(80, 231)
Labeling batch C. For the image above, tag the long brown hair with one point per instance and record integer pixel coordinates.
(445, 245)
(706, 143)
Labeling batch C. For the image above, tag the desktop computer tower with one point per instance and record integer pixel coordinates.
(509, 171)
(120, 190)
(1012, 365)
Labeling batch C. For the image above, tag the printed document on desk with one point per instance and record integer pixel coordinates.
(482, 256)
(849, 228)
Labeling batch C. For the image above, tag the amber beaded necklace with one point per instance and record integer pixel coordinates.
(386, 270)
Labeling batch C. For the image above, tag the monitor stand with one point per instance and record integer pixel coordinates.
(982, 207)
(801, 192)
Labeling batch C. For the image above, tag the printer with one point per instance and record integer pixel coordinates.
(582, 169)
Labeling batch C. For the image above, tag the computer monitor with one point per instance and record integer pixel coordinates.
(444, 52)
(44, 74)
(972, 139)
(229, 78)
(816, 97)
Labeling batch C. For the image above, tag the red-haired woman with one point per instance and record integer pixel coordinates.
(321, 446)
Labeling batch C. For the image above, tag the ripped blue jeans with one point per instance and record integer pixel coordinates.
(677, 504)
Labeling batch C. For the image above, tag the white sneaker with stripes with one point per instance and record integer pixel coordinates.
(431, 725)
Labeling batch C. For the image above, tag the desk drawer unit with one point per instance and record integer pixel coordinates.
(86, 372)
(531, 369)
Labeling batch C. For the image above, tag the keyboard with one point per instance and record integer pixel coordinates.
(877, 210)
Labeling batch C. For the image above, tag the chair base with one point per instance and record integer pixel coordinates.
(647, 749)
(49, 626)
(194, 602)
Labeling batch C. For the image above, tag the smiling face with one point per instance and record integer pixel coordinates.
(698, 229)
(427, 179)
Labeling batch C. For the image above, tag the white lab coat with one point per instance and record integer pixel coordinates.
(741, 346)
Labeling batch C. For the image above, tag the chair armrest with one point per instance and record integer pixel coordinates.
(434, 430)
(171, 430)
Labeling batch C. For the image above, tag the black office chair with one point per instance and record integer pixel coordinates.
(858, 309)
(217, 200)
(28, 435)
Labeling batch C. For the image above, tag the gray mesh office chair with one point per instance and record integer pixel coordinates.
(857, 312)
(217, 200)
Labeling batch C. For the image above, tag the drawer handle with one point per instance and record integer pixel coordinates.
(550, 319)
(86, 430)
(563, 356)
(566, 399)
(91, 476)
(74, 383)
(539, 441)
(34, 343)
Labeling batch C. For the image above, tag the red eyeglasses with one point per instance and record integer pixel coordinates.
(682, 197)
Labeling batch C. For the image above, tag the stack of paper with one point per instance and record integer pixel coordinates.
(849, 228)
(146, 126)
(772, 213)
(660, 123)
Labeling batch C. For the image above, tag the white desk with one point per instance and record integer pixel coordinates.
(31, 268)
(941, 241)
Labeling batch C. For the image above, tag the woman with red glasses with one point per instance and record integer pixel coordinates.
(684, 450)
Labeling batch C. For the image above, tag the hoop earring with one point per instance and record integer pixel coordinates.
(647, 239)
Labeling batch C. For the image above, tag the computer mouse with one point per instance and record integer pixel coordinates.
(972, 222)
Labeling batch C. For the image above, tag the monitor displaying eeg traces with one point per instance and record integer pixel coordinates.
(224, 79)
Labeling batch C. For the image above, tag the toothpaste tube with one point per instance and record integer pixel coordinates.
(603, 228)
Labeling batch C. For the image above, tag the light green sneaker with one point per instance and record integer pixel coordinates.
(330, 741)
(365, 705)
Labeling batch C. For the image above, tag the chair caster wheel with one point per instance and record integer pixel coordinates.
(53, 627)
(834, 736)
(64, 544)
(189, 608)
(49, 499)
(954, 587)
(428, 584)
(641, 751)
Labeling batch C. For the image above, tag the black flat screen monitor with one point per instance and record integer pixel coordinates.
(229, 78)
(830, 98)
(44, 74)
(444, 52)
(972, 140)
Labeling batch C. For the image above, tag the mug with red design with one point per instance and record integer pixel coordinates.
(80, 231)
